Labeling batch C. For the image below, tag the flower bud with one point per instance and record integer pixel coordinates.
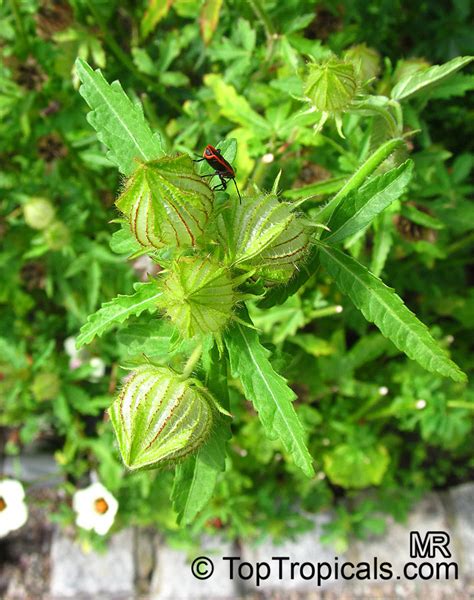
(331, 86)
(160, 418)
(166, 203)
(38, 213)
(198, 296)
(366, 61)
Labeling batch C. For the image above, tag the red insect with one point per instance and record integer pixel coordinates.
(222, 168)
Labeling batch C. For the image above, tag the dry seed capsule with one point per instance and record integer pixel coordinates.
(166, 203)
(198, 296)
(159, 418)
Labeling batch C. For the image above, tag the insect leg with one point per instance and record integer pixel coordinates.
(238, 193)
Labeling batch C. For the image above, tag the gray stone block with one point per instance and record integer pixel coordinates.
(306, 550)
(173, 579)
(462, 503)
(78, 575)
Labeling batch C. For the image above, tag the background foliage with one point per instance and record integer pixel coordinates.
(376, 421)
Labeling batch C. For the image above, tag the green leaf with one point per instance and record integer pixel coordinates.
(196, 477)
(119, 123)
(269, 392)
(382, 243)
(362, 206)
(363, 172)
(412, 84)
(380, 305)
(118, 310)
(236, 108)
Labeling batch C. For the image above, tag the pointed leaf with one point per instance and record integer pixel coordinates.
(362, 206)
(119, 123)
(411, 84)
(118, 310)
(269, 392)
(380, 305)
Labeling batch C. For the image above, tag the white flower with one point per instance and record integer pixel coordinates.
(98, 369)
(13, 510)
(95, 507)
(70, 347)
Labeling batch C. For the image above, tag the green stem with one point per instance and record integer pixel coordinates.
(192, 362)
(128, 63)
(366, 169)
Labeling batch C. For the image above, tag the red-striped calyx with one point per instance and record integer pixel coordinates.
(159, 417)
(166, 203)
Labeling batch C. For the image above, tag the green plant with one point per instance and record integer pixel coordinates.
(213, 262)
(394, 192)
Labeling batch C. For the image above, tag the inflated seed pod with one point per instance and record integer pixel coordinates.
(166, 203)
(279, 261)
(159, 418)
(198, 295)
(248, 227)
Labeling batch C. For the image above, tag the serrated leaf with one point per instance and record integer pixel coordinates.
(362, 206)
(412, 84)
(269, 392)
(118, 310)
(119, 123)
(196, 477)
(380, 305)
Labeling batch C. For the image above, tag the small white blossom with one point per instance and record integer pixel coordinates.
(95, 508)
(420, 404)
(13, 510)
(98, 369)
(268, 158)
(70, 347)
(383, 390)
